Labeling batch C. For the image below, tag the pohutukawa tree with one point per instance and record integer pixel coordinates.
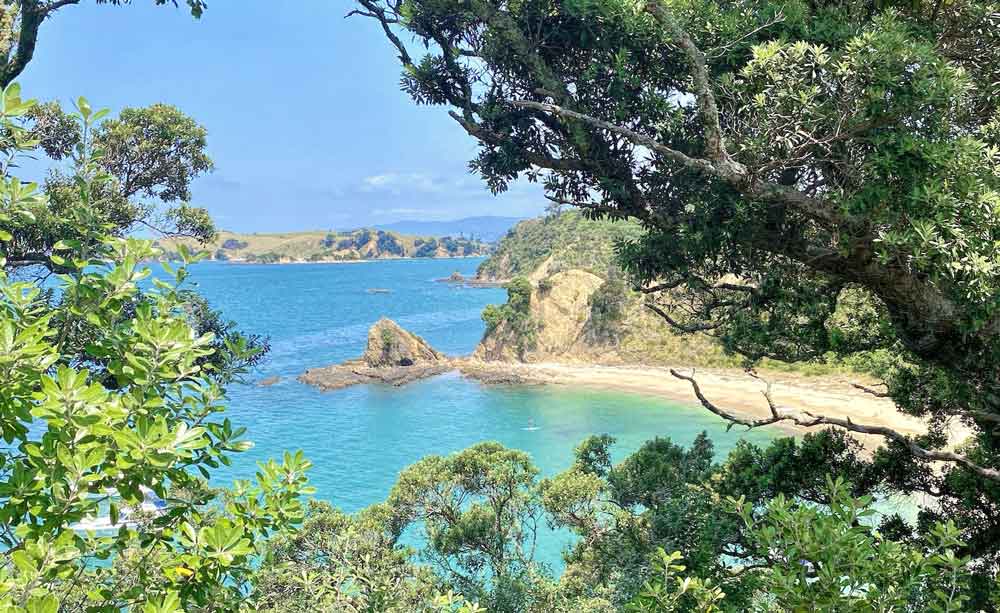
(816, 177)
(151, 155)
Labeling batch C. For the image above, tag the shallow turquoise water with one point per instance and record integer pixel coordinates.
(360, 438)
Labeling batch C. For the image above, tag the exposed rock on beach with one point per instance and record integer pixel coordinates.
(393, 356)
(494, 373)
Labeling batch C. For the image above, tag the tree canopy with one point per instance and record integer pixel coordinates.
(666, 529)
(147, 153)
(21, 20)
(814, 177)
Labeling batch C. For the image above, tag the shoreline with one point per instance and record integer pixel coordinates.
(358, 261)
(730, 389)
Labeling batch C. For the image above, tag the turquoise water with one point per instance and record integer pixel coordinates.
(360, 438)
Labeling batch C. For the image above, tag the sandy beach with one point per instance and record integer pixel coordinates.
(731, 389)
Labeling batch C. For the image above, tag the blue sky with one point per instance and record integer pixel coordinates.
(307, 126)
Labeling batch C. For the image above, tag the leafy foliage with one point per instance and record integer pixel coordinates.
(816, 181)
(143, 417)
(569, 239)
(514, 316)
(829, 559)
(346, 563)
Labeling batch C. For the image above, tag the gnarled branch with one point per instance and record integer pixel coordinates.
(869, 390)
(807, 419)
(698, 327)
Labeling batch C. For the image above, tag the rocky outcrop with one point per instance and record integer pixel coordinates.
(570, 327)
(393, 356)
(390, 345)
(559, 310)
(494, 373)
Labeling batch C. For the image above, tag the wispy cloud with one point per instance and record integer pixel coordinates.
(398, 183)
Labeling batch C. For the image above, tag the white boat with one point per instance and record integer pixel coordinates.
(151, 506)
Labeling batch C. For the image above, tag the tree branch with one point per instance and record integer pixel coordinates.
(707, 107)
(809, 420)
(633, 136)
(728, 170)
(33, 13)
(58, 4)
(476, 130)
(868, 390)
(378, 14)
(698, 327)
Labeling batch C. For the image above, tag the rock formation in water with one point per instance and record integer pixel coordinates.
(393, 356)
(455, 277)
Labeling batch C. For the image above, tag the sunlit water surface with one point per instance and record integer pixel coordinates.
(361, 437)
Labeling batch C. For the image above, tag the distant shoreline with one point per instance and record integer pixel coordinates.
(359, 261)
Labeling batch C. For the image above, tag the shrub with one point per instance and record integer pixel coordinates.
(232, 243)
(515, 315)
(607, 307)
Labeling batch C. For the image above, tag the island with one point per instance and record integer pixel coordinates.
(327, 246)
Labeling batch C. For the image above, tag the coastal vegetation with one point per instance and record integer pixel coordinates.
(477, 514)
(112, 388)
(592, 311)
(811, 178)
(330, 246)
(562, 241)
(802, 179)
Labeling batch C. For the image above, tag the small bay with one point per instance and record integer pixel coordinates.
(359, 438)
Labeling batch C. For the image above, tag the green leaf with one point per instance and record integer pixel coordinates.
(43, 604)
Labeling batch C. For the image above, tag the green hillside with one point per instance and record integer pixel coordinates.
(582, 307)
(571, 241)
(322, 246)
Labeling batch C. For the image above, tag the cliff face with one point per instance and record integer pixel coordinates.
(581, 308)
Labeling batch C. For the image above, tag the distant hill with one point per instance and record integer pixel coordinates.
(364, 244)
(486, 228)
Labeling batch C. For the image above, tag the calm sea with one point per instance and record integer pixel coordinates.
(360, 438)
